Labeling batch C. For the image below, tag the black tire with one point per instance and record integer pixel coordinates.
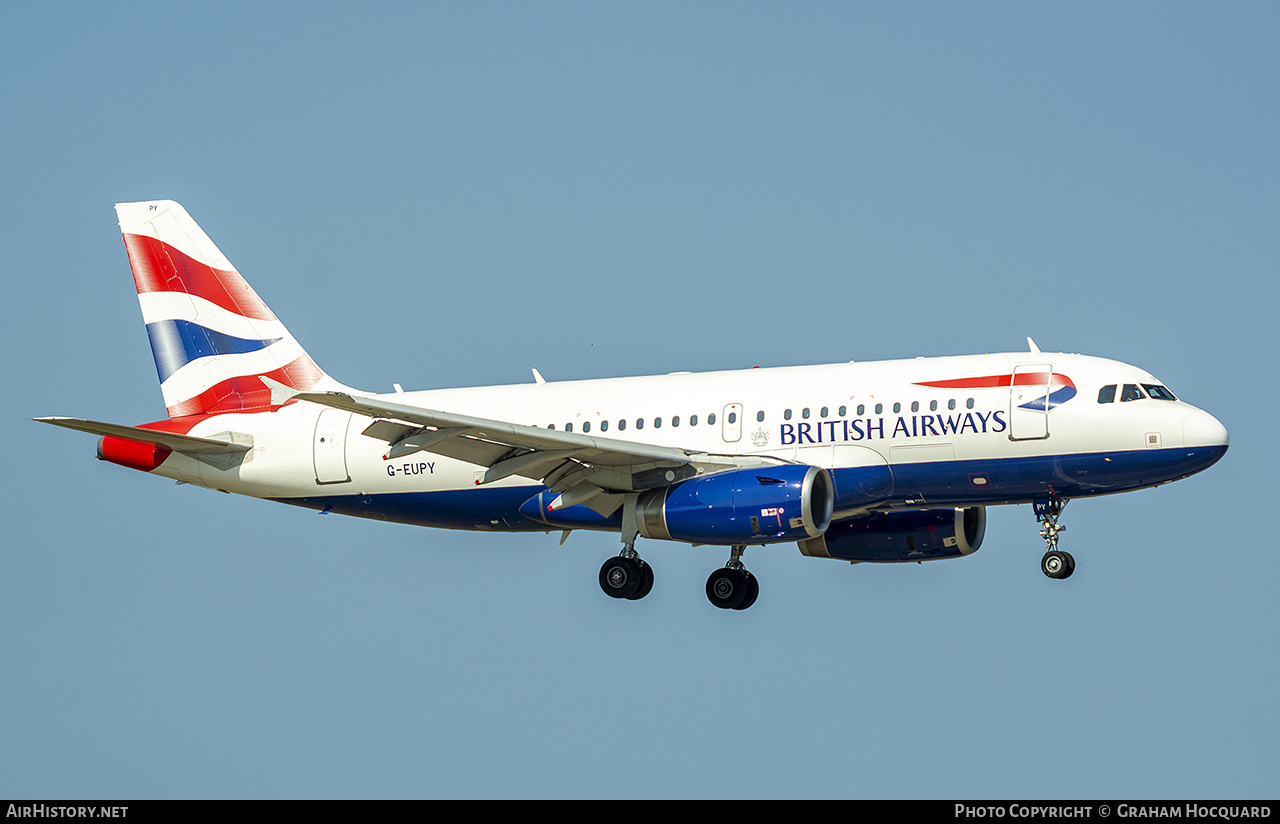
(753, 591)
(620, 577)
(1056, 564)
(646, 582)
(726, 588)
(1071, 565)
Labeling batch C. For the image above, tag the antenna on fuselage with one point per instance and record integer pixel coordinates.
(1032, 344)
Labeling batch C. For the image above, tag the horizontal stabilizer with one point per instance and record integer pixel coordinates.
(234, 444)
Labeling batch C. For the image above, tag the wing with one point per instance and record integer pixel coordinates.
(580, 468)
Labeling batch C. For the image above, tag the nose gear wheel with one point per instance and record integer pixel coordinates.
(1055, 563)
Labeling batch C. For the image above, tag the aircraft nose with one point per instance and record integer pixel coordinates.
(1202, 429)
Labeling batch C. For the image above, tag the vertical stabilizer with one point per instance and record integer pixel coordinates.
(212, 336)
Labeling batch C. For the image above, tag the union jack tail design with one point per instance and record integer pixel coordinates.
(213, 338)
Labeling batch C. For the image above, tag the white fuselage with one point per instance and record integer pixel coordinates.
(945, 446)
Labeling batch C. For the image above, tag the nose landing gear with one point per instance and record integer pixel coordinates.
(1055, 563)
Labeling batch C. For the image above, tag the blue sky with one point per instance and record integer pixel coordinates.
(450, 194)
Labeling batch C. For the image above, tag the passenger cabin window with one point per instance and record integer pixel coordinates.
(786, 416)
(1158, 392)
(711, 419)
(1131, 392)
(622, 423)
(760, 416)
(1107, 394)
(675, 420)
(604, 426)
(586, 426)
(733, 417)
(693, 420)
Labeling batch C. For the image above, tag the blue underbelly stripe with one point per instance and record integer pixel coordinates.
(949, 483)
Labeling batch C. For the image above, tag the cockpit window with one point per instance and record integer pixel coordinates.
(1107, 394)
(1131, 392)
(1158, 392)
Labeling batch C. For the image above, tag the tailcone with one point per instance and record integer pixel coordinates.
(146, 457)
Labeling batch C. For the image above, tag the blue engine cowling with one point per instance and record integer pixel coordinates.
(790, 502)
(889, 537)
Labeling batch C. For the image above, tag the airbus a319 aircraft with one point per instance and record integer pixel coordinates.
(889, 461)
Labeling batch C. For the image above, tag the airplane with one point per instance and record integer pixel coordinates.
(882, 462)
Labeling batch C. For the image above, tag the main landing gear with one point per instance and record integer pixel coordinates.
(732, 586)
(1055, 563)
(626, 576)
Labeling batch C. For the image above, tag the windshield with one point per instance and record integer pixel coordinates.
(1158, 392)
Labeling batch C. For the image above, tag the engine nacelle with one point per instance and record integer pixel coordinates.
(742, 506)
(890, 537)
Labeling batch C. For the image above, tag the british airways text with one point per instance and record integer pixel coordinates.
(915, 426)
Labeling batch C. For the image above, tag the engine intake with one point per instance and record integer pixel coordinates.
(742, 506)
